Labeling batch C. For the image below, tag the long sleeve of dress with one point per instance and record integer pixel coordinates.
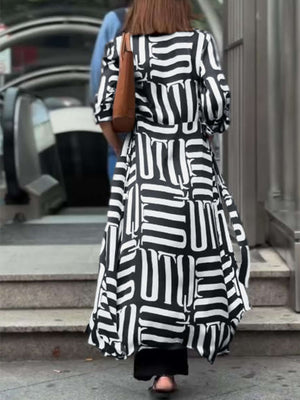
(214, 91)
(104, 98)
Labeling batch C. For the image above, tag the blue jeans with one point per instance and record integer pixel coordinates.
(112, 158)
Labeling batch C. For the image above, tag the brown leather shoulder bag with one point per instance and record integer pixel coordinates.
(124, 100)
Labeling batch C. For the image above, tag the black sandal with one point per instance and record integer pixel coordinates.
(162, 393)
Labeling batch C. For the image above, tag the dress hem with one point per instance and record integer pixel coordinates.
(119, 350)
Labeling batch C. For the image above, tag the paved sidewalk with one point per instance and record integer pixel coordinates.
(230, 378)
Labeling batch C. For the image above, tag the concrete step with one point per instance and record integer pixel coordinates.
(48, 276)
(269, 283)
(59, 333)
(64, 276)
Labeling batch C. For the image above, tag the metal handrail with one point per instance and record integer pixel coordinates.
(50, 20)
(48, 76)
(48, 26)
(15, 194)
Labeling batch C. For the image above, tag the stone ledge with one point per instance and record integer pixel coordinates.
(263, 270)
(258, 271)
(270, 319)
(46, 320)
(75, 320)
(48, 277)
(80, 262)
(74, 345)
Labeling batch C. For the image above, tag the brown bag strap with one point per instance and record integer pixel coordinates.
(125, 43)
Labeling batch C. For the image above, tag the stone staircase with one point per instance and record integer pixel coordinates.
(47, 292)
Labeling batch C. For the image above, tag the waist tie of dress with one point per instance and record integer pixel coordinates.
(244, 269)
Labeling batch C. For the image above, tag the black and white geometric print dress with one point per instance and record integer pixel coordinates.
(168, 276)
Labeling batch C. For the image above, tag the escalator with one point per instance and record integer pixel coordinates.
(52, 172)
(54, 186)
(52, 157)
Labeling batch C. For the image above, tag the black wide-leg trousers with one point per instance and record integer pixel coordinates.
(152, 362)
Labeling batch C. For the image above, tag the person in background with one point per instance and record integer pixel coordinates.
(111, 26)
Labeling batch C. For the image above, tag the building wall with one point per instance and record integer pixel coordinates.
(240, 144)
(262, 149)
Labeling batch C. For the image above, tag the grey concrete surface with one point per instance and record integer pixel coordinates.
(64, 276)
(51, 234)
(19, 262)
(229, 378)
(64, 292)
(75, 320)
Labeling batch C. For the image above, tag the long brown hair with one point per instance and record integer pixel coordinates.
(158, 16)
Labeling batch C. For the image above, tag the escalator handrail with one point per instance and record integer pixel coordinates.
(15, 194)
(51, 26)
(50, 21)
(36, 78)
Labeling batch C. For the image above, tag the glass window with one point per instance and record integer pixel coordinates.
(43, 134)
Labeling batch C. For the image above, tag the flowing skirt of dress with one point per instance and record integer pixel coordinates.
(168, 277)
